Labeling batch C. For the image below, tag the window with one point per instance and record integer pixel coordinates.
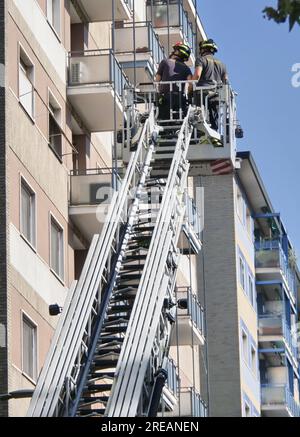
(242, 273)
(253, 360)
(29, 348)
(240, 205)
(26, 80)
(245, 346)
(55, 132)
(53, 14)
(57, 248)
(251, 290)
(249, 223)
(27, 222)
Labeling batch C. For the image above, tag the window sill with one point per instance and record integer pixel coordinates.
(28, 243)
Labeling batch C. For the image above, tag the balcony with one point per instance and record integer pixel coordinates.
(190, 327)
(139, 61)
(272, 264)
(90, 196)
(97, 81)
(171, 23)
(170, 390)
(191, 404)
(273, 328)
(277, 401)
(92, 11)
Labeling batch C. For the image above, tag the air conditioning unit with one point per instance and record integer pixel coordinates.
(76, 72)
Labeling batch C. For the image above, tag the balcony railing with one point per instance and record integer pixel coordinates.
(91, 186)
(194, 308)
(279, 395)
(269, 254)
(199, 408)
(276, 325)
(172, 382)
(96, 67)
(169, 15)
(147, 40)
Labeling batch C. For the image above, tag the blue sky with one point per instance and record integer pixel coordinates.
(259, 55)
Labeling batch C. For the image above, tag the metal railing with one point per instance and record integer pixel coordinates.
(279, 395)
(269, 254)
(164, 15)
(199, 408)
(276, 325)
(96, 67)
(194, 308)
(172, 382)
(146, 42)
(93, 186)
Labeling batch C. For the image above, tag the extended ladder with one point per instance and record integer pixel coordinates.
(108, 354)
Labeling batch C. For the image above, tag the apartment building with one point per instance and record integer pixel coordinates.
(67, 65)
(252, 293)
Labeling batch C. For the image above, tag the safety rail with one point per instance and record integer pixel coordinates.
(172, 382)
(276, 325)
(170, 15)
(194, 308)
(59, 382)
(199, 408)
(93, 186)
(153, 286)
(147, 40)
(96, 67)
(276, 395)
(179, 95)
(270, 254)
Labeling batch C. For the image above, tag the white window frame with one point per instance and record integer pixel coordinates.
(242, 272)
(240, 204)
(54, 5)
(59, 275)
(251, 290)
(245, 350)
(34, 325)
(57, 116)
(253, 364)
(25, 59)
(24, 182)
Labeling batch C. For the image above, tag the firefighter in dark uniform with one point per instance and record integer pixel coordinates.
(172, 70)
(210, 71)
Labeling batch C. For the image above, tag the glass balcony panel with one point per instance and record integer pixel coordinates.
(95, 78)
(90, 188)
(164, 15)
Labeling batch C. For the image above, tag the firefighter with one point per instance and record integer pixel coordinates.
(210, 71)
(172, 70)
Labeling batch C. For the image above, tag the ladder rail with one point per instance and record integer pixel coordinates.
(67, 340)
(132, 215)
(132, 341)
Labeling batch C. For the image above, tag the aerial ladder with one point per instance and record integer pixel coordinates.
(108, 356)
